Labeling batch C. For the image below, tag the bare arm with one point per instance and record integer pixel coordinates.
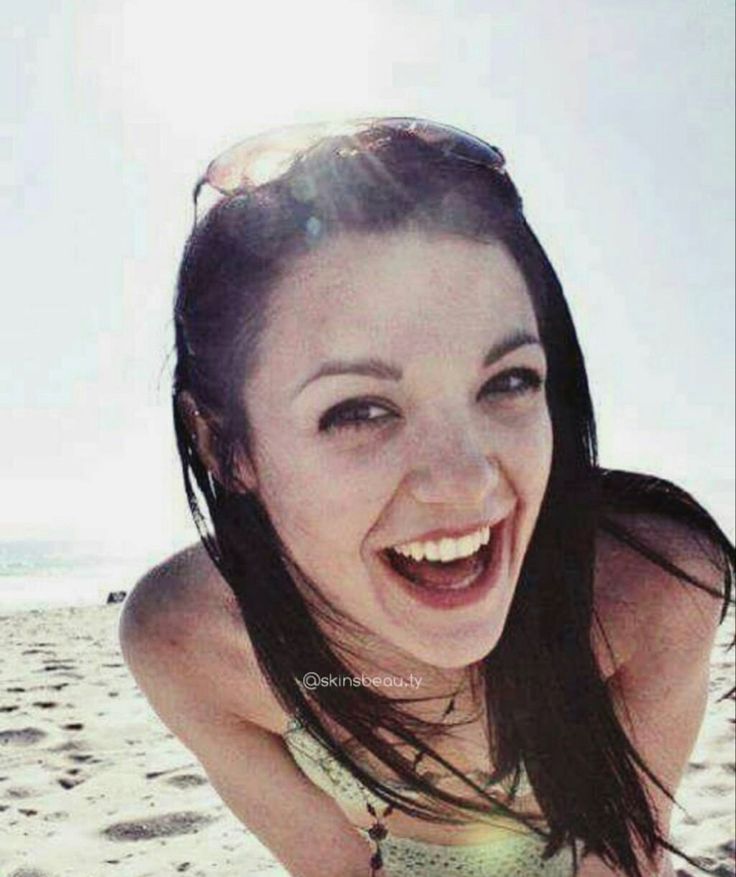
(661, 690)
(594, 867)
(248, 766)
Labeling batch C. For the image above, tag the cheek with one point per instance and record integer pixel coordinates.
(529, 458)
(321, 500)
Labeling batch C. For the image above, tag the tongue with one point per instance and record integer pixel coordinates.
(436, 574)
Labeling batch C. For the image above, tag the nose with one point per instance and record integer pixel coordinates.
(452, 469)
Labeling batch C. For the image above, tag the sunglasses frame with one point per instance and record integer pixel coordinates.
(227, 173)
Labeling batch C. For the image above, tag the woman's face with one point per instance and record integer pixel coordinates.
(400, 392)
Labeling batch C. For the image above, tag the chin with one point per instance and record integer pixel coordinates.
(458, 651)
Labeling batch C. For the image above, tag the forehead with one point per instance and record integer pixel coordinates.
(402, 295)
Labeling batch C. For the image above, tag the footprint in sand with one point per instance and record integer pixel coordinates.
(69, 746)
(70, 782)
(186, 781)
(170, 825)
(82, 757)
(21, 736)
(29, 872)
(17, 792)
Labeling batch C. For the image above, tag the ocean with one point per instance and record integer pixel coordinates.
(38, 574)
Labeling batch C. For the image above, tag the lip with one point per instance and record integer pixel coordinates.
(455, 533)
(449, 599)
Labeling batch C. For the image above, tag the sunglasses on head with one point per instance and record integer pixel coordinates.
(263, 157)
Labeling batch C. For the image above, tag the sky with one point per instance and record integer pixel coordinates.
(617, 120)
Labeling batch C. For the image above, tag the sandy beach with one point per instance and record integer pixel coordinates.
(93, 785)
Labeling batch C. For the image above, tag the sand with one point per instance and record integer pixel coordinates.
(93, 785)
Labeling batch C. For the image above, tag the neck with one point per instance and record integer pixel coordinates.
(395, 673)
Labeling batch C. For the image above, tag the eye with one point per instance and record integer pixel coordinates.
(355, 414)
(514, 382)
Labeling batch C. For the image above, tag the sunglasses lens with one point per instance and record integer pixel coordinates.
(259, 159)
(451, 141)
(262, 158)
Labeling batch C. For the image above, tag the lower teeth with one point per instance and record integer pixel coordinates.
(456, 586)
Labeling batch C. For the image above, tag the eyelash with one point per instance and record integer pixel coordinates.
(338, 418)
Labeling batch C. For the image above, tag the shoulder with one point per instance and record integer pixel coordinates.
(181, 600)
(186, 577)
(644, 605)
(185, 642)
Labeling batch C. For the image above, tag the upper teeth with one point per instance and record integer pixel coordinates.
(445, 549)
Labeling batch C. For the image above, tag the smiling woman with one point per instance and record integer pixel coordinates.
(380, 396)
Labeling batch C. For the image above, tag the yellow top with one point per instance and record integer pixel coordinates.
(516, 854)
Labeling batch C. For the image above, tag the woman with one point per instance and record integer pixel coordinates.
(425, 612)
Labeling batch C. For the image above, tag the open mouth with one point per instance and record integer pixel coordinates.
(450, 575)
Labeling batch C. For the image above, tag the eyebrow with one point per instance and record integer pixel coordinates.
(509, 343)
(377, 368)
